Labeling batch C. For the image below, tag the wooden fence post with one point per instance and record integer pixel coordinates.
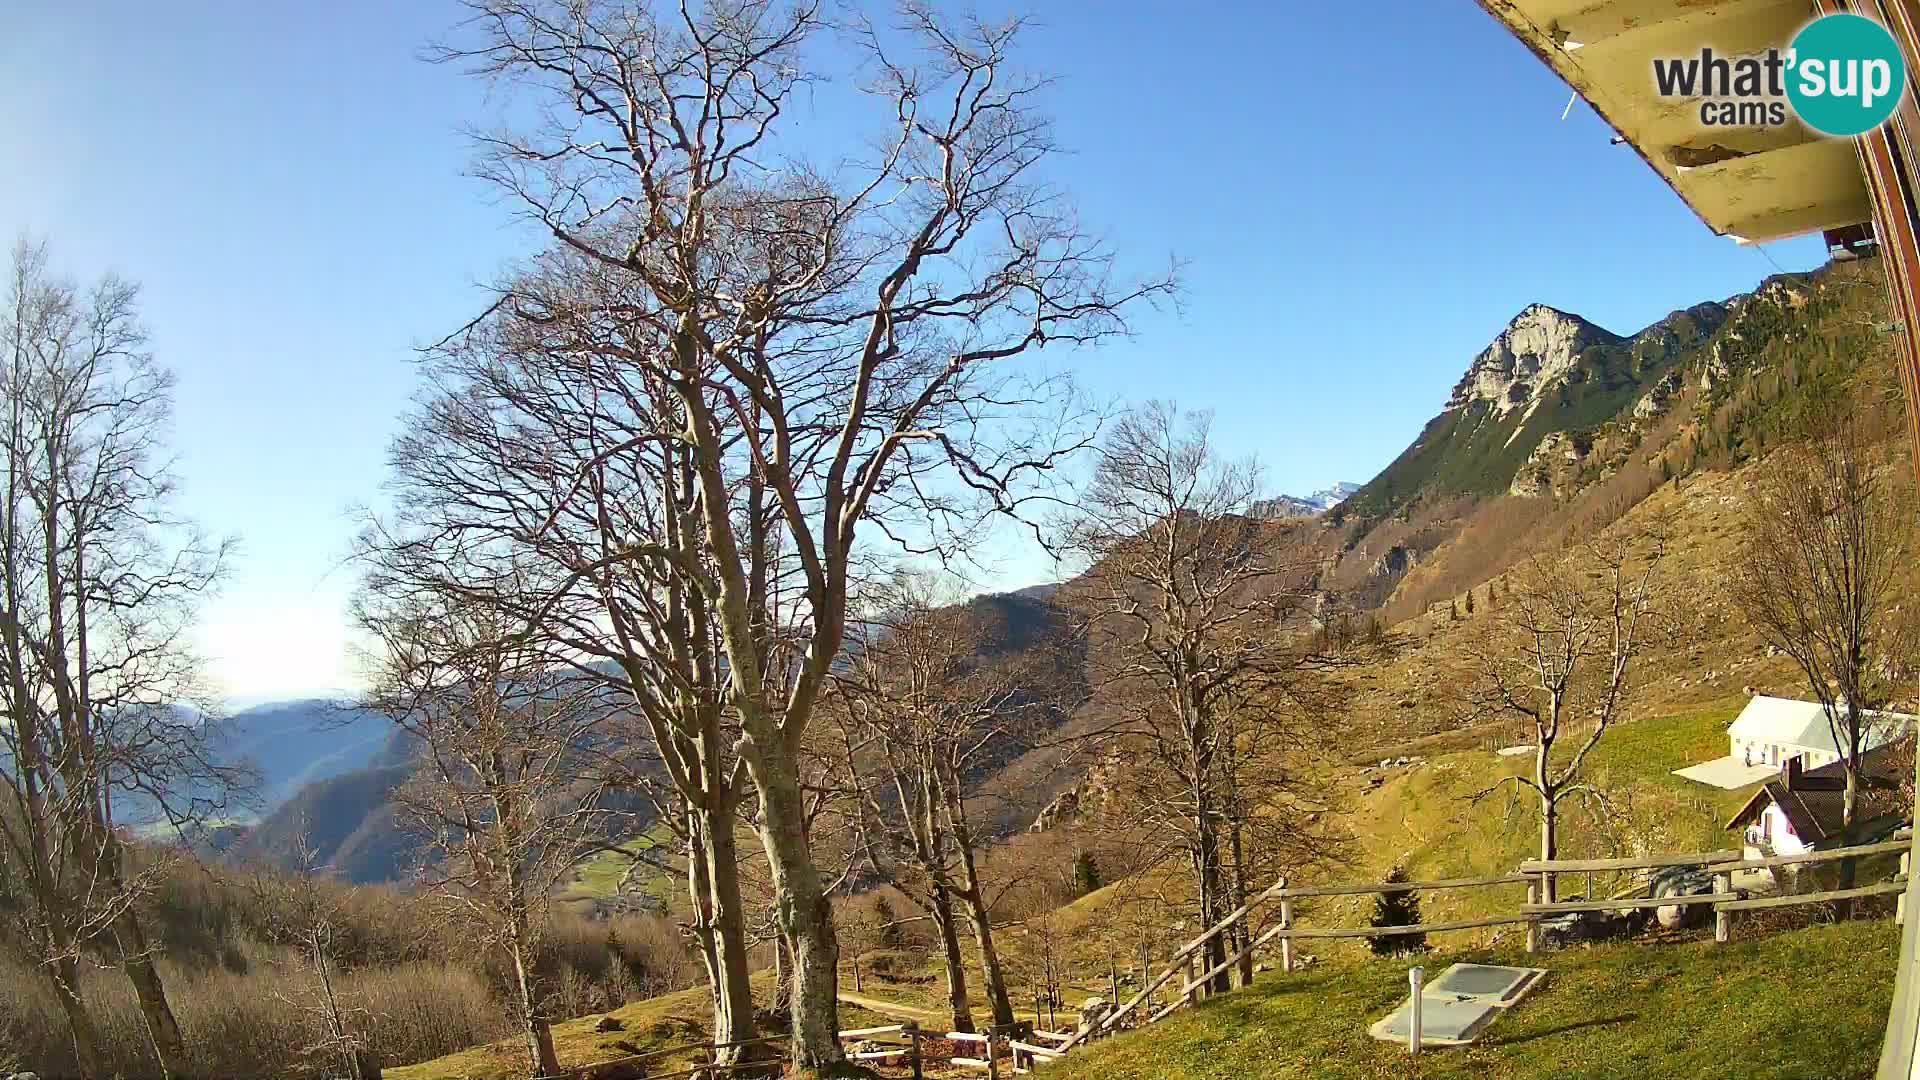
(1899, 906)
(1193, 990)
(1533, 925)
(913, 1053)
(1722, 918)
(1286, 923)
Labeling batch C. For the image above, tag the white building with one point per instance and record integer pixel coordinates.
(1802, 810)
(1771, 730)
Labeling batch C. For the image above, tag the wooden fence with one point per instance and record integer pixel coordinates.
(1031, 1049)
(1722, 865)
(1539, 879)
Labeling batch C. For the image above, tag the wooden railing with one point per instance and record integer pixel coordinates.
(1726, 902)
(1036, 1048)
(1535, 875)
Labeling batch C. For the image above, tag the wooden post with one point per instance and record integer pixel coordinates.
(1722, 918)
(1533, 925)
(913, 1054)
(993, 1065)
(1193, 992)
(1900, 905)
(1286, 923)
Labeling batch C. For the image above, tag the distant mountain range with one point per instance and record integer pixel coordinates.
(291, 744)
(1306, 505)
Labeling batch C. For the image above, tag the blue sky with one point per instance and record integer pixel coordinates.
(1363, 195)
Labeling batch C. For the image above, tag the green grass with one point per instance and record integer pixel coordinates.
(598, 878)
(1806, 1005)
(1452, 817)
(671, 1020)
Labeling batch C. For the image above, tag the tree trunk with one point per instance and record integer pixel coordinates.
(64, 973)
(714, 881)
(1849, 868)
(782, 977)
(1208, 876)
(351, 1059)
(162, 1029)
(957, 1002)
(805, 917)
(996, 983)
(1549, 845)
(1243, 936)
(538, 1029)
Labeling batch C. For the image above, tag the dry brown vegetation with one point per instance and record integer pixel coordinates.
(413, 992)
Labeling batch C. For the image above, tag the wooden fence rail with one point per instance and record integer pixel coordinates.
(1032, 1050)
(1722, 865)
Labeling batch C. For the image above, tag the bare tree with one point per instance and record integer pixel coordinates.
(1558, 655)
(934, 702)
(1824, 543)
(813, 347)
(1202, 616)
(307, 912)
(511, 788)
(97, 584)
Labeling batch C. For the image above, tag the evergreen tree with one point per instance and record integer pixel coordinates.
(888, 924)
(1086, 873)
(1453, 610)
(1469, 601)
(1397, 909)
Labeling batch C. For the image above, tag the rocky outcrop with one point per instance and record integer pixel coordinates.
(1547, 470)
(1537, 349)
(1658, 398)
(1395, 563)
(1064, 808)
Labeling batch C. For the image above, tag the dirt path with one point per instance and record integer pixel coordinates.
(890, 1008)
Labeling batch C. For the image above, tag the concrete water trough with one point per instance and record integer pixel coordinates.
(1456, 1007)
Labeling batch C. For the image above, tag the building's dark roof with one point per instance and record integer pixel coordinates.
(1815, 806)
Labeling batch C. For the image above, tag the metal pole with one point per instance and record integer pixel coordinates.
(1415, 977)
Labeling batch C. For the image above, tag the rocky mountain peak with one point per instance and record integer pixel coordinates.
(1538, 348)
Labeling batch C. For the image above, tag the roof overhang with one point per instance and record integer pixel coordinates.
(1754, 184)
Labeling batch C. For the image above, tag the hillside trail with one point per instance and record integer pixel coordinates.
(890, 1008)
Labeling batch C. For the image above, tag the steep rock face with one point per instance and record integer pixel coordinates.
(1540, 347)
(1547, 372)
(1539, 476)
(1654, 403)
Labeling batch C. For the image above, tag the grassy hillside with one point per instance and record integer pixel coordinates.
(660, 1023)
(1625, 1012)
(598, 879)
